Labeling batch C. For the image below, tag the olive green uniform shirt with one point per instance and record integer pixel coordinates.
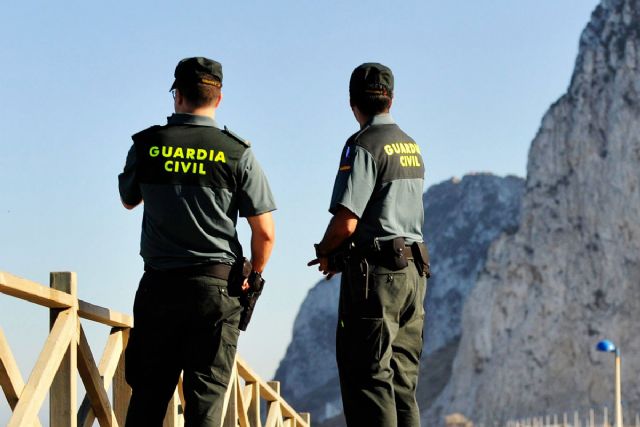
(381, 180)
(195, 180)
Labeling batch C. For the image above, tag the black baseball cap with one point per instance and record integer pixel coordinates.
(198, 70)
(371, 78)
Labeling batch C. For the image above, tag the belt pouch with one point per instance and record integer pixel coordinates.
(399, 256)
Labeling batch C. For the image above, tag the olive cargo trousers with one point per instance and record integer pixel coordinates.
(181, 323)
(379, 344)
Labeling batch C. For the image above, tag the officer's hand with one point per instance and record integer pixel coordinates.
(323, 266)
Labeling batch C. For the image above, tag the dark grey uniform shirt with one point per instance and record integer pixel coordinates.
(381, 180)
(195, 180)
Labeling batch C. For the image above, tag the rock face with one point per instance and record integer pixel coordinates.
(462, 217)
(570, 275)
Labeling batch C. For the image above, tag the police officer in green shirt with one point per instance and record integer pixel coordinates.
(195, 180)
(375, 239)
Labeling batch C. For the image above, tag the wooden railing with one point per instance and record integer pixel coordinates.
(66, 353)
(587, 418)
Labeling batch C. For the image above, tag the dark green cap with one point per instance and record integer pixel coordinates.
(198, 70)
(371, 78)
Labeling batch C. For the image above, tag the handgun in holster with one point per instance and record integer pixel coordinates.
(421, 257)
(338, 259)
(249, 297)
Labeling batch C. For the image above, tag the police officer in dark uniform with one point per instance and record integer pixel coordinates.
(195, 179)
(375, 239)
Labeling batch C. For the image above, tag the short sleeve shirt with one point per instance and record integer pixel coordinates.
(381, 180)
(195, 180)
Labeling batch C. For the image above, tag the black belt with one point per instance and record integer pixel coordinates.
(219, 271)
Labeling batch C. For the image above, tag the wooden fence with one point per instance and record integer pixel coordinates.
(66, 353)
(589, 418)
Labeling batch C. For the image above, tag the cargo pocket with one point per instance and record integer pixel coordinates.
(225, 356)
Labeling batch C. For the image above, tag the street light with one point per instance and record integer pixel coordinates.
(607, 346)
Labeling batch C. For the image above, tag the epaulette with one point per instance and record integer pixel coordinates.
(236, 137)
(142, 132)
(360, 132)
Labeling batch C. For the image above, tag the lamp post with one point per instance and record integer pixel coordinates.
(607, 346)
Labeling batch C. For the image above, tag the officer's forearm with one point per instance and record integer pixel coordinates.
(262, 240)
(340, 228)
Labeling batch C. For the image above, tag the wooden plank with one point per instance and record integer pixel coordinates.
(34, 292)
(230, 404)
(104, 315)
(10, 377)
(274, 415)
(254, 404)
(243, 419)
(94, 386)
(306, 417)
(275, 385)
(56, 345)
(107, 368)
(245, 371)
(63, 394)
(181, 393)
(172, 418)
(121, 390)
(266, 391)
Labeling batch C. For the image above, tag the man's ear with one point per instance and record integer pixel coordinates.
(218, 101)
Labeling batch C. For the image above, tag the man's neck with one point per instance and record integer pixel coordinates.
(201, 111)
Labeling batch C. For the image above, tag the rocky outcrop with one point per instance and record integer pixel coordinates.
(570, 275)
(462, 217)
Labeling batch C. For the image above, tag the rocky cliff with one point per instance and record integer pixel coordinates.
(570, 275)
(462, 217)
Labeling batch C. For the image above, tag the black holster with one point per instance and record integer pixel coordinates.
(240, 271)
(249, 298)
(421, 258)
(339, 259)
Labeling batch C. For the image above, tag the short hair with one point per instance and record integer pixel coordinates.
(372, 102)
(199, 94)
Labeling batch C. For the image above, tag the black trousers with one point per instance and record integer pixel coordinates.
(184, 324)
(379, 344)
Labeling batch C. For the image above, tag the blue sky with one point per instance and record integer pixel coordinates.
(473, 80)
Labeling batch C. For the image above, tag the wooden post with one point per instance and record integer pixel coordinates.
(306, 416)
(592, 418)
(605, 417)
(63, 394)
(121, 392)
(274, 413)
(576, 419)
(275, 385)
(230, 417)
(173, 418)
(254, 404)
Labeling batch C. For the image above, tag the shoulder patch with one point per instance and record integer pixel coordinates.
(242, 141)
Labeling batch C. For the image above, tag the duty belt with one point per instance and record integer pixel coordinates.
(395, 254)
(219, 271)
